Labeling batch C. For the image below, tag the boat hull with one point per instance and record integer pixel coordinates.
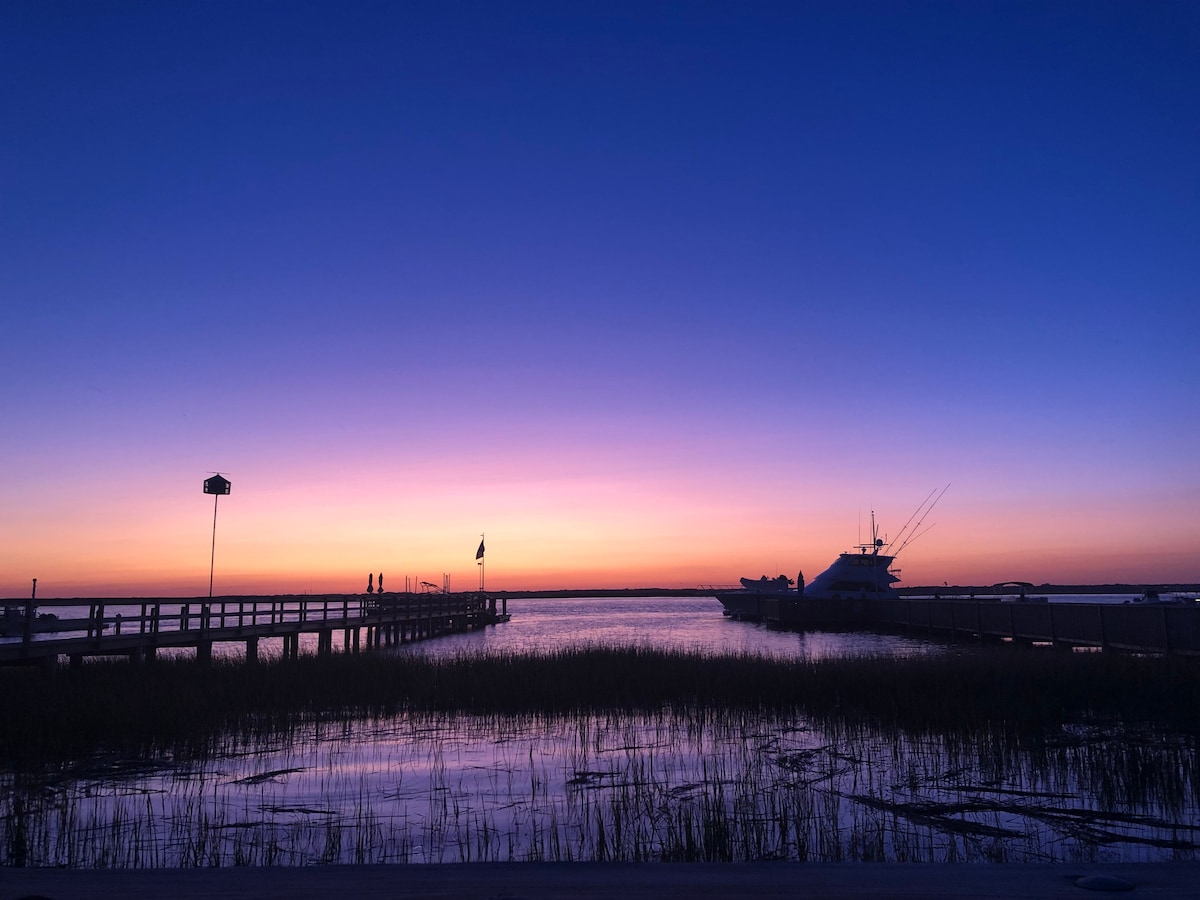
(796, 612)
(748, 606)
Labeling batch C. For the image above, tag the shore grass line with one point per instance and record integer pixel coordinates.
(179, 706)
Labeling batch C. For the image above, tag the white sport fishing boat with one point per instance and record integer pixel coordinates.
(863, 573)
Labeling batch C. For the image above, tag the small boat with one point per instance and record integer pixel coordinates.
(1022, 596)
(757, 595)
(13, 623)
(1155, 596)
(773, 586)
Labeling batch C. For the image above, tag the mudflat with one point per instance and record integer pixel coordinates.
(518, 881)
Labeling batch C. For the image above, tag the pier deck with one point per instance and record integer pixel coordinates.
(138, 628)
(1130, 627)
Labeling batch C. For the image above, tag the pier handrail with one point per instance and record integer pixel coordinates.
(113, 624)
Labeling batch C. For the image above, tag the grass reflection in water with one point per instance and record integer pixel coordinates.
(663, 756)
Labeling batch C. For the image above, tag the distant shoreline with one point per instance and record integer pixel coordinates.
(952, 590)
(959, 590)
(919, 591)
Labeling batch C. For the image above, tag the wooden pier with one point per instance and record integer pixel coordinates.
(138, 628)
(1130, 627)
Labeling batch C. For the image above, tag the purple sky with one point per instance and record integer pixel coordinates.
(651, 293)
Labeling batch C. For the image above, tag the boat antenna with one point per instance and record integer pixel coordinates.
(928, 509)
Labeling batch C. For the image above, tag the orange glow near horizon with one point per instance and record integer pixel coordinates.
(555, 532)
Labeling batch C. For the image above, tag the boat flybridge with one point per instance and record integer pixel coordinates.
(862, 573)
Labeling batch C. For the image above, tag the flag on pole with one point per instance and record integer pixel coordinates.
(479, 552)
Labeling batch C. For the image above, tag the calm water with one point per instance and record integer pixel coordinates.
(679, 784)
(543, 625)
(674, 623)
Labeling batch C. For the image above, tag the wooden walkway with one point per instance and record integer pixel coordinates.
(1131, 627)
(138, 628)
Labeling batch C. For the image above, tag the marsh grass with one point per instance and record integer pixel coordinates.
(177, 706)
(602, 754)
(673, 785)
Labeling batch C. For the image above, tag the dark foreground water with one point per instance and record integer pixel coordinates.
(687, 784)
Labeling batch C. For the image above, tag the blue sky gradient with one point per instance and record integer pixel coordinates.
(696, 283)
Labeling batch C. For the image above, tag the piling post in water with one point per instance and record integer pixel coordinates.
(30, 612)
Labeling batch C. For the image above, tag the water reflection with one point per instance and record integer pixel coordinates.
(674, 623)
(683, 785)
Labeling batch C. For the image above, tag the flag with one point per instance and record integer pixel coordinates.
(479, 552)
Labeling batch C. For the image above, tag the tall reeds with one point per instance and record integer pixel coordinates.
(666, 785)
(601, 754)
(175, 704)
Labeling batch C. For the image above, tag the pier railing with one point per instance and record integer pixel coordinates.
(1133, 627)
(139, 627)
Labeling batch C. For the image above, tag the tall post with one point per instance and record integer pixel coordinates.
(30, 612)
(215, 486)
(212, 559)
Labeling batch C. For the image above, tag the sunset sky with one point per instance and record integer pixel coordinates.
(651, 293)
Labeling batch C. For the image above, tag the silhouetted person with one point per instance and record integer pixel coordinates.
(370, 582)
(381, 582)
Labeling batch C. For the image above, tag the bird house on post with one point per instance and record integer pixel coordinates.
(216, 485)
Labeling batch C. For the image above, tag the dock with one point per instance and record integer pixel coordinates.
(1128, 627)
(138, 628)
